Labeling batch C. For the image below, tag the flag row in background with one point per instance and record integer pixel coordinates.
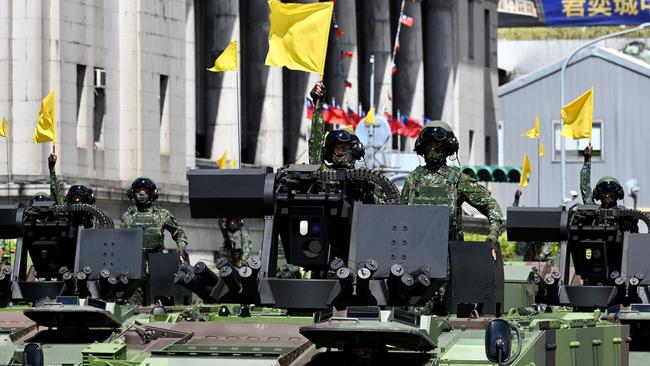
(334, 114)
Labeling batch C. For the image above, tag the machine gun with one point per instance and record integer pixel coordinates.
(602, 244)
(52, 236)
(358, 253)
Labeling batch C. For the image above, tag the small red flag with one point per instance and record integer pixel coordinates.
(406, 20)
(345, 54)
(348, 84)
(338, 31)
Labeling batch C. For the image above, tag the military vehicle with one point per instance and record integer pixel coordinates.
(360, 276)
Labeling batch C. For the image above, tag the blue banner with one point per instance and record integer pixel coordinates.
(567, 13)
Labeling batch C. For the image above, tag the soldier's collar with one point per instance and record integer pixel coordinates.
(434, 167)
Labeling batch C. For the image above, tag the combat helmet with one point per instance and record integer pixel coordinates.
(437, 131)
(340, 137)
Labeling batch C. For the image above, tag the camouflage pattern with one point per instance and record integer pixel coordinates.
(154, 220)
(56, 189)
(585, 184)
(316, 137)
(242, 238)
(448, 186)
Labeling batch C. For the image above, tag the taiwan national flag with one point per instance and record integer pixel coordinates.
(406, 20)
(345, 54)
(310, 107)
(338, 31)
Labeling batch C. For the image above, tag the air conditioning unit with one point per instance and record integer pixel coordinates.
(100, 78)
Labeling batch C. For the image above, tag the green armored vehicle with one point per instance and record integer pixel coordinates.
(358, 303)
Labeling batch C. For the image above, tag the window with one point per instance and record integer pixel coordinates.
(82, 108)
(470, 29)
(165, 125)
(488, 39)
(99, 108)
(471, 143)
(575, 148)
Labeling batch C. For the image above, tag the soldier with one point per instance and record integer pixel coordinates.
(608, 191)
(55, 185)
(340, 148)
(147, 215)
(436, 183)
(237, 241)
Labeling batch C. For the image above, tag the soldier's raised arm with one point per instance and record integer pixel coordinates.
(479, 197)
(317, 131)
(179, 236)
(55, 186)
(585, 177)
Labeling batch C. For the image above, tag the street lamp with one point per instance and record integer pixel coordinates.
(562, 83)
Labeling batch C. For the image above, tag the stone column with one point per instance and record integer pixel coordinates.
(262, 89)
(220, 98)
(296, 85)
(374, 39)
(439, 51)
(337, 69)
(130, 115)
(28, 66)
(408, 82)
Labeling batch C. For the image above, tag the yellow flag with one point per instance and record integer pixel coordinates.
(525, 172)
(348, 128)
(222, 162)
(370, 117)
(578, 115)
(46, 125)
(233, 164)
(3, 127)
(227, 60)
(534, 132)
(541, 149)
(298, 35)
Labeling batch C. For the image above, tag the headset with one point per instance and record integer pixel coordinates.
(608, 184)
(338, 137)
(428, 134)
(83, 191)
(146, 183)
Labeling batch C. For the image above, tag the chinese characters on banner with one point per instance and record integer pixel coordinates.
(595, 12)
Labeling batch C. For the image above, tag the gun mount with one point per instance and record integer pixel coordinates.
(359, 253)
(51, 235)
(602, 244)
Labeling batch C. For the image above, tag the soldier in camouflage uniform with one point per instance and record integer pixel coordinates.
(608, 191)
(436, 183)
(77, 193)
(237, 241)
(147, 215)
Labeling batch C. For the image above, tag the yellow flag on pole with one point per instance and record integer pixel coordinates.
(578, 116)
(3, 127)
(233, 164)
(370, 117)
(541, 149)
(299, 34)
(525, 172)
(222, 162)
(227, 60)
(533, 133)
(46, 125)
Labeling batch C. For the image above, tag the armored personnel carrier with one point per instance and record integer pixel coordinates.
(362, 275)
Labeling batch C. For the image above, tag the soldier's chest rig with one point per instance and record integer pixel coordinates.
(439, 187)
(151, 222)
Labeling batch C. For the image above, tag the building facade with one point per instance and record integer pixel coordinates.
(133, 97)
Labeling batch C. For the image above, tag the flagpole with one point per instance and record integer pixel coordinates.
(539, 172)
(238, 123)
(8, 176)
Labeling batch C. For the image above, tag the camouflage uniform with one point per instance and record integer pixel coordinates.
(241, 238)
(153, 221)
(585, 184)
(56, 190)
(448, 186)
(316, 138)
